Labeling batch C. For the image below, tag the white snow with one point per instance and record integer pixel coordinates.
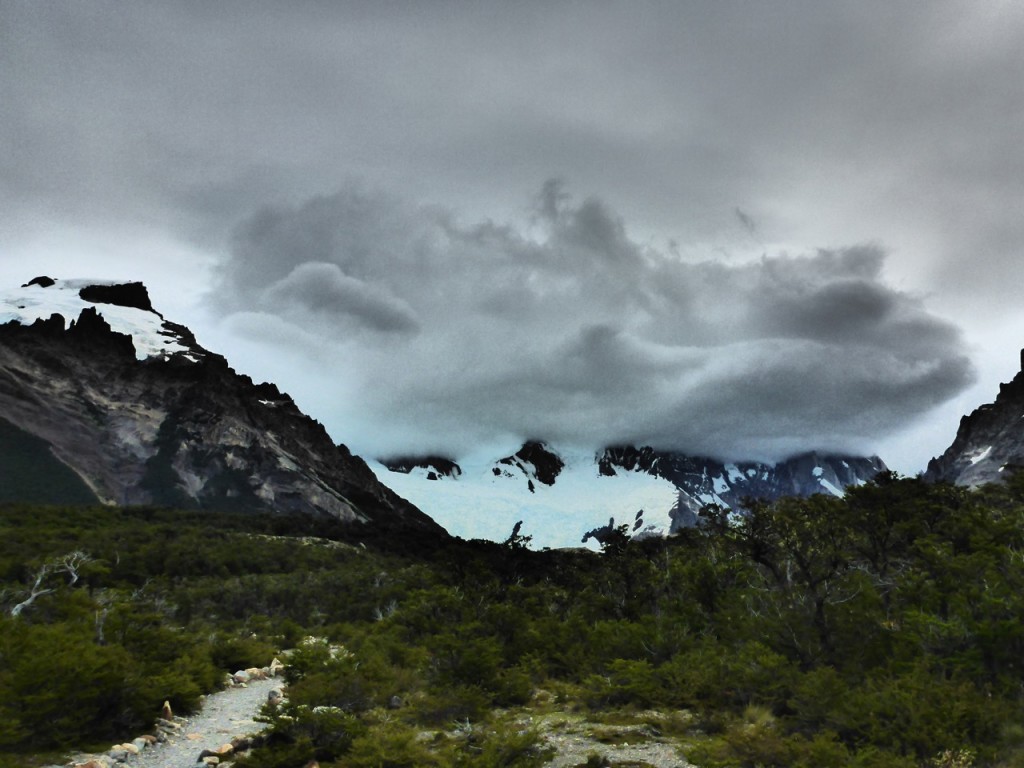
(831, 488)
(26, 305)
(817, 472)
(734, 473)
(981, 455)
(721, 484)
(481, 505)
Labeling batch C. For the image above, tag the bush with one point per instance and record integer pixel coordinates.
(61, 688)
(233, 653)
(394, 745)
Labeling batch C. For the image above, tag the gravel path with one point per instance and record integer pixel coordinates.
(224, 715)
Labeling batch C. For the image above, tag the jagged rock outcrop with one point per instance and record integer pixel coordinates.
(178, 427)
(989, 444)
(536, 461)
(132, 295)
(436, 466)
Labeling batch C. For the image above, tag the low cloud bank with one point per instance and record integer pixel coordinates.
(443, 335)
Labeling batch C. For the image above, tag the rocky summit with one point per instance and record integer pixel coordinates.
(989, 443)
(142, 414)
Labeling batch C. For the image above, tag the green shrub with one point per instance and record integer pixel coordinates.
(392, 746)
(231, 653)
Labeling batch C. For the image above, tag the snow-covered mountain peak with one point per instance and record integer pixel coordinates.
(125, 307)
(566, 496)
(558, 494)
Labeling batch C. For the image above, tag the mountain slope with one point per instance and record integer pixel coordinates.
(989, 442)
(563, 495)
(144, 415)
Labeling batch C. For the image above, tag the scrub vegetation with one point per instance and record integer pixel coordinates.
(882, 629)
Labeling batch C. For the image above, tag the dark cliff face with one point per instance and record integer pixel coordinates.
(178, 431)
(989, 444)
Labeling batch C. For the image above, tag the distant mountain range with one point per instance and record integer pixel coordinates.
(564, 496)
(102, 399)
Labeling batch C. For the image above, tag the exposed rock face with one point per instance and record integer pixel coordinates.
(43, 281)
(535, 460)
(702, 481)
(436, 466)
(124, 295)
(989, 444)
(179, 429)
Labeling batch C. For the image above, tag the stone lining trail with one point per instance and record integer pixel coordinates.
(225, 715)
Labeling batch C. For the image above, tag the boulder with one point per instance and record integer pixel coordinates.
(275, 696)
(241, 676)
(42, 281)
(166, 712)
(223, 751)
(276, 667)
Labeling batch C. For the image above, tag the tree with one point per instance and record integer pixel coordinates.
(70, 565)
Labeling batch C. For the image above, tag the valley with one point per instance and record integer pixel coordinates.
(166, 519)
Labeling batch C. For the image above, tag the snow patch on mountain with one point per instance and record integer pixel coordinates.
(40, 299)
(486, 499)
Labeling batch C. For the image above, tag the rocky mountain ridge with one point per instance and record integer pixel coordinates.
(144, 415)
(989, 442)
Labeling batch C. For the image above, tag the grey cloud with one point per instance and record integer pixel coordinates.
(747, 221)
(323, 287)
(143, 122)
(575, 332)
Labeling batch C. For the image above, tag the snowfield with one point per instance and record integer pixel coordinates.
(480, 504)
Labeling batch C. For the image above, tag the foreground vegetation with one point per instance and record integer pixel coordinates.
(883, 629)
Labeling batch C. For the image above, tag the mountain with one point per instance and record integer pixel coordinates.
(563, 495)
(989, 442)
(95, 381)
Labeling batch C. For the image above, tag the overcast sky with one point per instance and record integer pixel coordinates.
(736, 228)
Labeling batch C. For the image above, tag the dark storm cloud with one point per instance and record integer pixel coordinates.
(574, 332)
